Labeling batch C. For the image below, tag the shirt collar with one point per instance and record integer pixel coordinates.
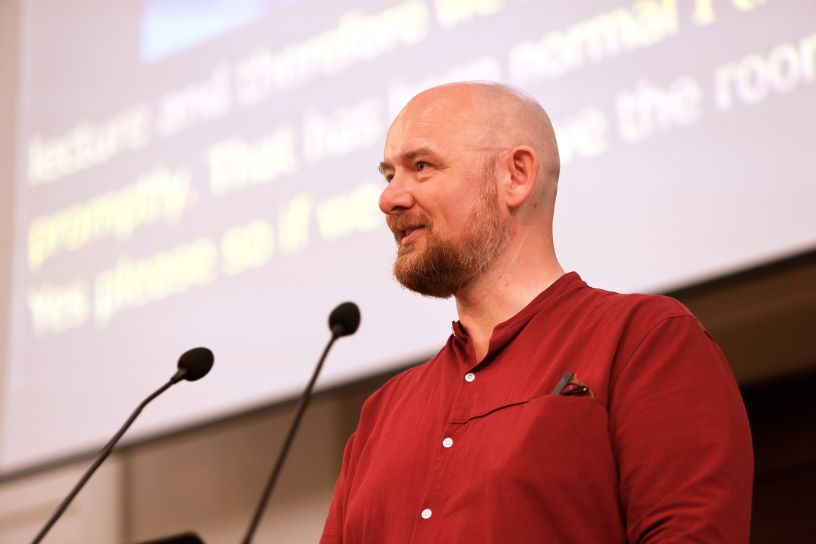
(507, 330)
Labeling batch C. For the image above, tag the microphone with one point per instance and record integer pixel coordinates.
(192, 365)
(343, 321)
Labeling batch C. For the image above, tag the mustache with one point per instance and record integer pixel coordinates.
(400, 223)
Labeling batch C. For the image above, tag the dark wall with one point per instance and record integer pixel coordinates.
(783, 422)
(765, 321)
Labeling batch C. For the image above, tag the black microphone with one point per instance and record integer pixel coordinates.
(343, 321)
(192, 365)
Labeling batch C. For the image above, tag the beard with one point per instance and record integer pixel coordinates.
(445, 266)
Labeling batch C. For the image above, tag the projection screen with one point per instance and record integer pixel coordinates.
(205, 173)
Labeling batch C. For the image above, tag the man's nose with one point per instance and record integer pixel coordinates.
(397, 197)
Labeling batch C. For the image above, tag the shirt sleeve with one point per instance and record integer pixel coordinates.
(333, 528)
(682, 440)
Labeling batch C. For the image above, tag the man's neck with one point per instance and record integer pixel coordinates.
(501, 292)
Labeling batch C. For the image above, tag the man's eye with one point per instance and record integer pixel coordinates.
(420, 165)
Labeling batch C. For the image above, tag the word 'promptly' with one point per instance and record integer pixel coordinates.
(163, 194)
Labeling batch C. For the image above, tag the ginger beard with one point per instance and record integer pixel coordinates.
(445, 266)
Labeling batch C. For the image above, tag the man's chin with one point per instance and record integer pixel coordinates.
(420, 278)
(407, 264)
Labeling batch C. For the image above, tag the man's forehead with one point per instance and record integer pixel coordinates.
(427, 131)
(434, 109)
(415, 125)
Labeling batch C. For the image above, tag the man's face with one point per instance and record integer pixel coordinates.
(441, 204)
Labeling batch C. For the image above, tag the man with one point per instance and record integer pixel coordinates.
(555, 412)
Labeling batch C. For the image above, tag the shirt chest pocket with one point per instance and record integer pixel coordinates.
(545, 447)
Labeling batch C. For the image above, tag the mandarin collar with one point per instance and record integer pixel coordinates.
(507, 330)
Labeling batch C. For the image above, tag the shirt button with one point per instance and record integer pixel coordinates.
(470, 376)
(448, 442)
(426, 513)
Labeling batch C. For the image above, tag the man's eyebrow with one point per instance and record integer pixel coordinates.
(408, 157)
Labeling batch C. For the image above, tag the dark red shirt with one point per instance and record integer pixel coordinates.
(459, 451)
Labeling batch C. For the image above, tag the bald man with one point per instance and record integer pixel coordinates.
(555, 412)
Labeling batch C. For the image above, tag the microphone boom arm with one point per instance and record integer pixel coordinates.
(270, 484)
(103, 454)
(193, 365)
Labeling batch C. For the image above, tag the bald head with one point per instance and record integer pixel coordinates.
(488, 116)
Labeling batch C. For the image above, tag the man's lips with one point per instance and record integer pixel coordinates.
(406, 228)
(409, 234)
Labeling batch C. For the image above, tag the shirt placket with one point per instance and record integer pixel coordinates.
(432, 509)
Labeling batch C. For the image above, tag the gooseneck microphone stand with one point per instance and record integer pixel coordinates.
(343, 321)
(192, 365)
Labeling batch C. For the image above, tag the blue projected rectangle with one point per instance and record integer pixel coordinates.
(171, 26)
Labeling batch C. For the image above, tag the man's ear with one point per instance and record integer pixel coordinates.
(522, 166)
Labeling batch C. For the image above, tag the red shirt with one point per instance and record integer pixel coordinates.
(456, 450)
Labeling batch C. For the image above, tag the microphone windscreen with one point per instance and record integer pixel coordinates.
(344, 319)
(197, 362)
